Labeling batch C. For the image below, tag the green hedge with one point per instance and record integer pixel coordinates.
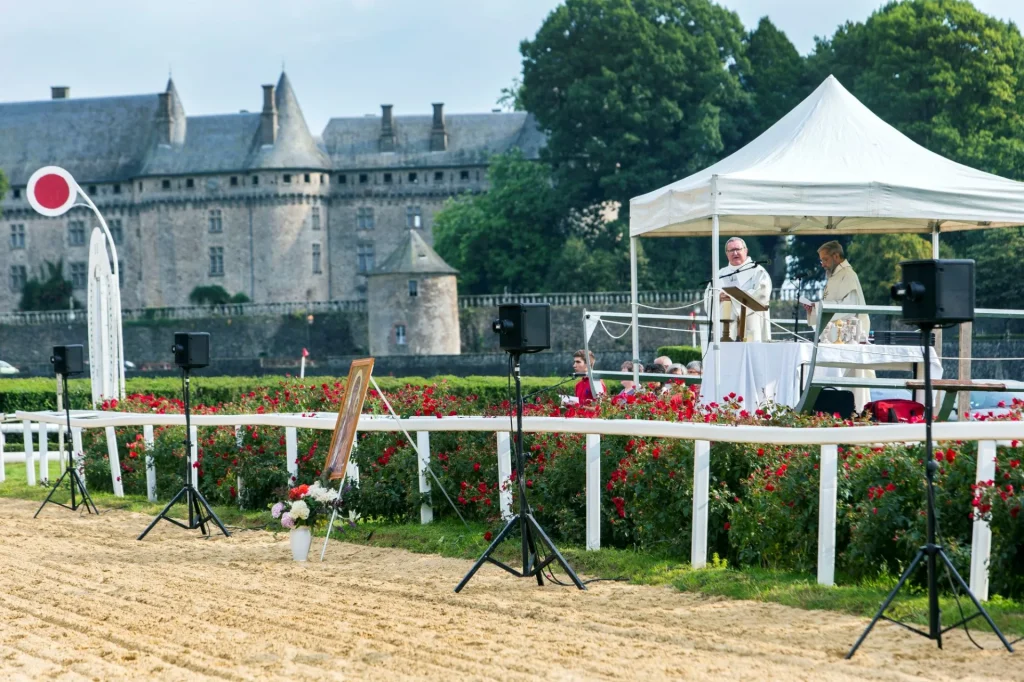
(39, 393)
(681, 354)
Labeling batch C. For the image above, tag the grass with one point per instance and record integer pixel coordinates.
(451, 539)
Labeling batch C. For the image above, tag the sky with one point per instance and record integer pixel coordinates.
(344, 57)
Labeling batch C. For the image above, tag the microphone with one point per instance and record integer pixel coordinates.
(765, 261)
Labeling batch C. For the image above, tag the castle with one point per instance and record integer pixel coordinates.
(249, 201)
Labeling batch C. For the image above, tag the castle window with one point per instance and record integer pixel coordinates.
(342, 179)
(316, 259)
(464, 176)
(413, 217)
(306, 178)
(387, 178)
(165, 184)
(17, 194)
(92, 189)
(255, 180)
(190, 183)
(414, 178)
(216, 221)
(117, 189)
(413, 288)
(363, 178)
(438, 176)
(400, 334)
(364, 218)
(76, 232)
(287, 178)
(314, 217)
(216, 261)
(116, 231)
(323, 179)
(79, 275)
(140, 185)
(364, 256)
(19, 275)
(17, 236)
(234, 181)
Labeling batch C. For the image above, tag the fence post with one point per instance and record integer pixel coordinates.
(44, 454)
(504, 474)
(593, 491)
(147, 438)
(828, 469)
(115, 462)
(30, 472)
(423, 445)
(701, 485)
(193, 436)
(291, 449)
(78, 452)
(3, 469)
(981, 541)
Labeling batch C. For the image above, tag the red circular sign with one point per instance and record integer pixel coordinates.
(52, 191)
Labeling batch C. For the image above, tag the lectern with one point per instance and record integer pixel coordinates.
(745, 301)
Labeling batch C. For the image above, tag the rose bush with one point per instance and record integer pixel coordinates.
(763, 507)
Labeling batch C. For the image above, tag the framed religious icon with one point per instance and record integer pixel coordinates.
(348, 418)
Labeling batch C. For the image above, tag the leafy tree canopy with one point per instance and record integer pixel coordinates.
(48, 291)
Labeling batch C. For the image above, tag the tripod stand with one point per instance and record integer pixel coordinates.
(532, 564)
(931, 553)
(70, 472)
(199, 511)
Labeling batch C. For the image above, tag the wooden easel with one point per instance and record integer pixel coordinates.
(745, 301)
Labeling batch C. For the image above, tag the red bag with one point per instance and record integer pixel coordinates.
(895, 410)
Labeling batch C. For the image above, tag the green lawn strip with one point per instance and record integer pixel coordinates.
(452, 539)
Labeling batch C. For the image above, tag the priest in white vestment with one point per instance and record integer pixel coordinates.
(843, 286)
(753, 280)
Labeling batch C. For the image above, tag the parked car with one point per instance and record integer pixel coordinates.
(7, 369)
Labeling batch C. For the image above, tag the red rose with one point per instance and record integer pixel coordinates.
(727, 526)
(488, 536)
(476, 466)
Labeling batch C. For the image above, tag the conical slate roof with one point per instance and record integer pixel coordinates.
(293, 147)
(414, 257)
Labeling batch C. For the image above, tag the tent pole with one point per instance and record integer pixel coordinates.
(938, 331)
(634, 309)
(716, 305)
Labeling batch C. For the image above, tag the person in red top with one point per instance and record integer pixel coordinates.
(584, 394)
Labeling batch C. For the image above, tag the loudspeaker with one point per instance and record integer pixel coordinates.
(191, 349)
(936, 292)
(523, 327)
(68, 360)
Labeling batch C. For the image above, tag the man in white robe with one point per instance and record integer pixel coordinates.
(753, 280)
(842, 286)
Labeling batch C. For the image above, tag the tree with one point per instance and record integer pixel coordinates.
(997, 262)
(876, 260)
(633, 94)
(776, 77)
(213, 294)
(507, 237)
(49, 291)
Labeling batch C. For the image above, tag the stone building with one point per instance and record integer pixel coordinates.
(413, 302)
(250, 201)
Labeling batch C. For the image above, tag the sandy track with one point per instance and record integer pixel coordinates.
(81, 599)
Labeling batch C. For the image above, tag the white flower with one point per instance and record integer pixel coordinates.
(299, 510)
(321, 494)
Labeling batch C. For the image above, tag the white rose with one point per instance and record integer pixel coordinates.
(299, 510)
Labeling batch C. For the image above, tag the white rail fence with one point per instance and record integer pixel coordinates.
(985, 433)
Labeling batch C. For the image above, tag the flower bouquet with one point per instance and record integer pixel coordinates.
(306, 507)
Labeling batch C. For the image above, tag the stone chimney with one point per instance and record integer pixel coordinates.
(438, 133)
(387, 129)
(60, 91)
(164, 119)
(268, 118)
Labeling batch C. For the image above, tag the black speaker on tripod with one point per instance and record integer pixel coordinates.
(191, 351)
(523, 328)
(933, 293)
(68, 360)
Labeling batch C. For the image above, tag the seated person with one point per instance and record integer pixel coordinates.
(584, 394)
(628, 387)
(694, 367)
(663, 360)
(655, 369)
(678, 370)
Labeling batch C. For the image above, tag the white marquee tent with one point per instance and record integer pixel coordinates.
(830, 166)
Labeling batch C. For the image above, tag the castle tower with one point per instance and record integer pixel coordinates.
(413, 302)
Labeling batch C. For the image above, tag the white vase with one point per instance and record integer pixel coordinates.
(301, 538)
